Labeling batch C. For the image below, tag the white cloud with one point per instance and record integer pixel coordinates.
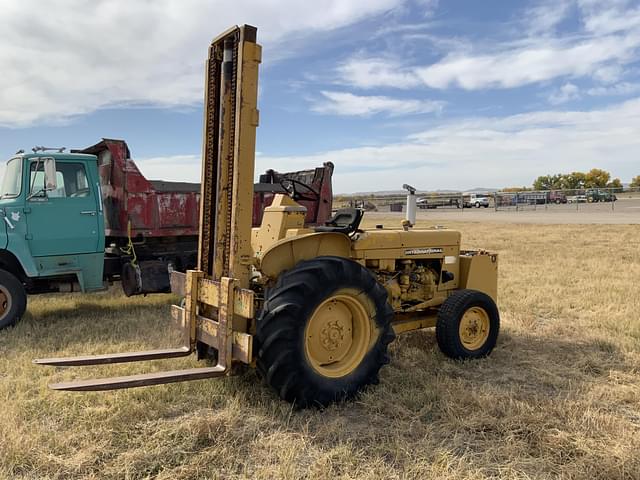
(176, 168)
(609, 39)
(543, 17)
(623, 88)
(467, 153)
(344, 103)
(608, 73)
(610, 16)
(531, 64)
(486, 151)
(542, 61)
(565, 93)
(78, 56)
(377, 72)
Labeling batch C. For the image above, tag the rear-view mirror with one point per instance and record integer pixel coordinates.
(50, 181)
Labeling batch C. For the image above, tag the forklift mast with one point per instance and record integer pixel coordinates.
(228, 155)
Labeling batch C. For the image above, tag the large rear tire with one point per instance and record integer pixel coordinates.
(323, 332)
(468, 325)
(13, 299)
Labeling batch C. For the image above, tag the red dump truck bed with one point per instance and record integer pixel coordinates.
(154, 208)
(158, 208)
(151, 226)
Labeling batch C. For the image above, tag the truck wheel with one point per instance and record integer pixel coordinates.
(468, 324)
(323, 332)
(13, 299)
(477, 204)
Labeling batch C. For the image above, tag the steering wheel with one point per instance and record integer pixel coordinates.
(291, 186)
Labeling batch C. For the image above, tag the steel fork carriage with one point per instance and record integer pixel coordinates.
(224, 296)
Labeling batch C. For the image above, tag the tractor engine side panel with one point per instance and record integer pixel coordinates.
(410, 283)
(479, 271)
(417, 267)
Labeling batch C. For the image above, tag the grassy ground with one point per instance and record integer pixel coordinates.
(558, 398)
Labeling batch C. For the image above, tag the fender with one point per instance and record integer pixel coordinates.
(16, 247)
(286, 253)
(10, 263)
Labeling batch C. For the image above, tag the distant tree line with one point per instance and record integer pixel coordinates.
(594, 178)
(635, 181)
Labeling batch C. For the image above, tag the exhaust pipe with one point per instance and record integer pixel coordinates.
(411, 204)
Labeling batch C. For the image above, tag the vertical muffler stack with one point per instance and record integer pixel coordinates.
(411, 204)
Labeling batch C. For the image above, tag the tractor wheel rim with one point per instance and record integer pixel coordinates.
(5, 302)
(338, 335)
(474, 328)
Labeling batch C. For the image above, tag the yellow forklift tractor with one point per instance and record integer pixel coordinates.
(314, 310)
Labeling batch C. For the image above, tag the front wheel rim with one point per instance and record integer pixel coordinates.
(338, 335)
(5, 302)
(474, 328)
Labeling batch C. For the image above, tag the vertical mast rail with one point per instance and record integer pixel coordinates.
(210, 145)
(250, 56)
(226, 160)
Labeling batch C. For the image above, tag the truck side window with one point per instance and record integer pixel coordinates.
(71, 179)
(36, 181)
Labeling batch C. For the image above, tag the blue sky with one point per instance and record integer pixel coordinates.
(454, 94)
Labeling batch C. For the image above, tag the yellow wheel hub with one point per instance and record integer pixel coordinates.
(338, 335)
(474, 328)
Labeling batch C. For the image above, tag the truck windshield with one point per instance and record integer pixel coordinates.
(12, 179)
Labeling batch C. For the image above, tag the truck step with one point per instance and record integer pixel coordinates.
(141, 380)
(114, 357)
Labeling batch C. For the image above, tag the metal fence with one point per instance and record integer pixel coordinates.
(595, 199)
(397, 202)
(602, 199)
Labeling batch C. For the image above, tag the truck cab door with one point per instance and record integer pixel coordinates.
(67, 220)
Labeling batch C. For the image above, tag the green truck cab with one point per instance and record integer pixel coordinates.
(52, 235)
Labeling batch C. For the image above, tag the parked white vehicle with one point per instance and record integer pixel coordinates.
(577, 199)
(475, 200)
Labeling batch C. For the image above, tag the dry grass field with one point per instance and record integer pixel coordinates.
(558, 398)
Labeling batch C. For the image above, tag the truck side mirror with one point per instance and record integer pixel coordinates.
(50, 180)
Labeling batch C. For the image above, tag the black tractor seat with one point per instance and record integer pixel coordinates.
(345, 220)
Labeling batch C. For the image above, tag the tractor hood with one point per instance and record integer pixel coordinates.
(414, 238)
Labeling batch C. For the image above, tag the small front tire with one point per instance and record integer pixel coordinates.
(468, 325)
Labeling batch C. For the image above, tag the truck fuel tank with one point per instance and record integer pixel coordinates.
(149, 276)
